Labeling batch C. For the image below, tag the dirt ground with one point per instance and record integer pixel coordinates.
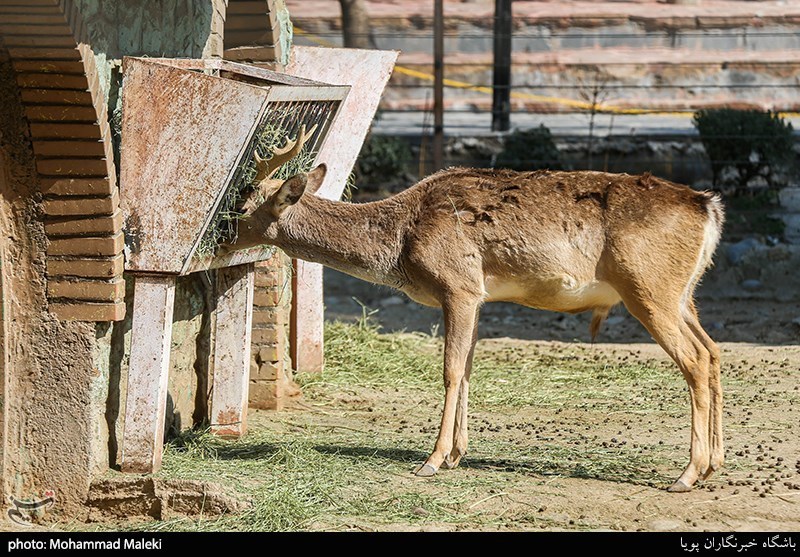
(758, 490)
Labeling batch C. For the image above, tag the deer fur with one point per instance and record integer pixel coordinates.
(561, 241)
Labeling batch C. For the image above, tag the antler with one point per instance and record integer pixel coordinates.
(266, 168)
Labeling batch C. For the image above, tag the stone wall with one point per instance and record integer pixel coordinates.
(648, 54)
(271, 385)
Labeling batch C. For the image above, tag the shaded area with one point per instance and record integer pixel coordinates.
(549, 461)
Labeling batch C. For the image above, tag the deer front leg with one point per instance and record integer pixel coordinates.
(459, 322)
(460, 428)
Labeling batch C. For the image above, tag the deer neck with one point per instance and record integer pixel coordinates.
(362, 240)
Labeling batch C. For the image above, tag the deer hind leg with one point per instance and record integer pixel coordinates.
(460, 426)
(459, 321)
(668, 327)
(715, 388)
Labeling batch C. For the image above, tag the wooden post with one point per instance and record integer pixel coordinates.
(501, 83)
(438, 85)
(148, 373)
(307, 323)
(234, 324)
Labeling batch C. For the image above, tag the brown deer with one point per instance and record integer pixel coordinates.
(562, 241)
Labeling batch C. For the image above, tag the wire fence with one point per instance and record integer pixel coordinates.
(607, 93)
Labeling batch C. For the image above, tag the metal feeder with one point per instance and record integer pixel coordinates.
(188, 128)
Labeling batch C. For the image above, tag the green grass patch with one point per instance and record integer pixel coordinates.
(511, 377)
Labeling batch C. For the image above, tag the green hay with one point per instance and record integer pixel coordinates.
(223, 227)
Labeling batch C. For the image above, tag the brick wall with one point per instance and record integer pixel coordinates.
(71, 138)
(271, 384)
(258, 26)
(253, 33)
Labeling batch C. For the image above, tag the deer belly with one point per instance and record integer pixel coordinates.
(563, 293)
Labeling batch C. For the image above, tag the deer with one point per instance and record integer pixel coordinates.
(554, 240)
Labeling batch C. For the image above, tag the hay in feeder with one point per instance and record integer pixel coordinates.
(267, 138)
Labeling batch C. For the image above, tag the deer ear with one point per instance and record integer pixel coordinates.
(316, 177)
(288, 193)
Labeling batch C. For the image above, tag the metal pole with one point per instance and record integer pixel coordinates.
(501, 90)
(438, 84)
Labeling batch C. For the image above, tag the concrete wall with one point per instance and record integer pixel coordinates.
(65, 381)
(54, 394)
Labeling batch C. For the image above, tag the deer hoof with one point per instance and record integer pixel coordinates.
(451, 461)
(715, 465)
(425, 471)
(679, 487)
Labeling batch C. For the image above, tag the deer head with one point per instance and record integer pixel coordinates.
(266, 168)
(289, 192)
(261, 221)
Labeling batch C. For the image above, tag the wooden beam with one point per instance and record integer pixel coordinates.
(234, 320)
(148, 374)
(307, 319)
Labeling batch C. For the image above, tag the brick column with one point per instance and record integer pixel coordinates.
(271, 384)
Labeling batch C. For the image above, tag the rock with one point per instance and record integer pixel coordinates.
(751, 285)
(792, 227)
(796, 321)
(615, 320)
(716, 326)
(789, 198)
(736, 252)
(148, 497)
(419, 511)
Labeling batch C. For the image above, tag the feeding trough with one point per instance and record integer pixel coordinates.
(187, 139)
(191, 132)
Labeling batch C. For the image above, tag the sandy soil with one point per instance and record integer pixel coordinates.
(758, 490)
